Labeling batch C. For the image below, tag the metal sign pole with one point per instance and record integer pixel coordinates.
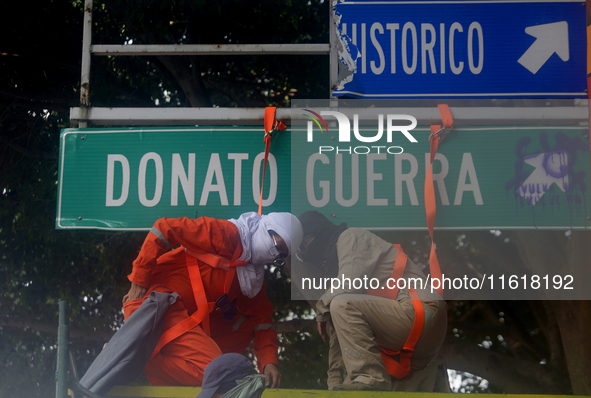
(61, 390)
(85, 76)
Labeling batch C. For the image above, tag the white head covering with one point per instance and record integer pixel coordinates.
(256, 243)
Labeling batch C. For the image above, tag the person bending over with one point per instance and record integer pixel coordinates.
(371, 330)
(218, 272)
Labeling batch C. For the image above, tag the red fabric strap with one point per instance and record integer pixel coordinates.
(198, 316)
(199, 292)
(267, 148)
(397, 272)
(201, 316)
(216, 261)
(270, 124)
(430, 202)
(402, 369)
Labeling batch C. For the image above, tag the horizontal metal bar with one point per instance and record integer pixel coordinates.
(211, 49)
(463, 116)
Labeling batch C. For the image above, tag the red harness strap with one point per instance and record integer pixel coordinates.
(430, 204)
(270, 124)
(201, 316)
(401, 369)
(399, 266)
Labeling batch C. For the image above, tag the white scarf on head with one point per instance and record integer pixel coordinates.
(256, 243)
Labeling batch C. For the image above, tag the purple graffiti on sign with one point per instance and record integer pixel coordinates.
(550, 168)
(553, 181)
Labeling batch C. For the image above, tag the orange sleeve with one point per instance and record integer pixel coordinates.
(259, 311)
(205, 233)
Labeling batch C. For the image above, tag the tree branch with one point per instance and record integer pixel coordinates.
(190, 82)
(544, 313)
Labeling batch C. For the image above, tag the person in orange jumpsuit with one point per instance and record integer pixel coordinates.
(238, 308)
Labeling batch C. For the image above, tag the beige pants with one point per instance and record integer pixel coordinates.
(360, 323)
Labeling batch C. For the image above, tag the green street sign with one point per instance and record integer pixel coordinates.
(485, 178)
(125, 179)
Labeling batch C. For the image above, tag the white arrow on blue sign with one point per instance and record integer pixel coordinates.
(462, 49)
(550, 38)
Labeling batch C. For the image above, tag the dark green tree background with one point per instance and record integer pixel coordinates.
(518, 346)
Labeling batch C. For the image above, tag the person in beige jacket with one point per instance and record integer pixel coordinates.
(359, 323)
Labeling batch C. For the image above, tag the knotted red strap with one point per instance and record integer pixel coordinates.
(271, 124)
(401, 369)
(430, 204)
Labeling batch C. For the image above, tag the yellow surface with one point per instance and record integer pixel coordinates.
(154, 391)
(186, 392)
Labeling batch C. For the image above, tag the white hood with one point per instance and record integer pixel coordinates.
(256, 243)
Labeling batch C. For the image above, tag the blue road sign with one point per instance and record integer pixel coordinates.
(462, 49)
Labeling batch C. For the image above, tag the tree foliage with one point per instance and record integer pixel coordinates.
(518, 346)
